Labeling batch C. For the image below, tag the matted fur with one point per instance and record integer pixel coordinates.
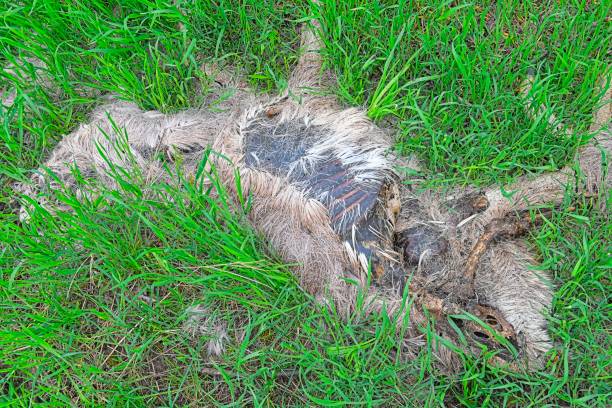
(298, 226)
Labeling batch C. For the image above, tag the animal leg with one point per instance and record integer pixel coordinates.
(521, 294)
(499, 271)
(551, 187)
(307, 73)
(496, 222)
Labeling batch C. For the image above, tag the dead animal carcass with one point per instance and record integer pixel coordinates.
(327, 197)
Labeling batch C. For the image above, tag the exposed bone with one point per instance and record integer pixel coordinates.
(416, 240)
(499, 228)
(496, 320)
(441, 308)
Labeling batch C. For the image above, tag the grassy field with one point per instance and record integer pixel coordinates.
(93, 301)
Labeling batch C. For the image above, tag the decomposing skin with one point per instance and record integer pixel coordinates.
(326, 196)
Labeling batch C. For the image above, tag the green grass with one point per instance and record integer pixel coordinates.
(448, 75)
(92, 301)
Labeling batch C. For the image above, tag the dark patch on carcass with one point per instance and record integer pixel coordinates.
(467, 205)
(349, 202)
(146, 152)
(280, 147)
(354, 207)
(416, 241)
